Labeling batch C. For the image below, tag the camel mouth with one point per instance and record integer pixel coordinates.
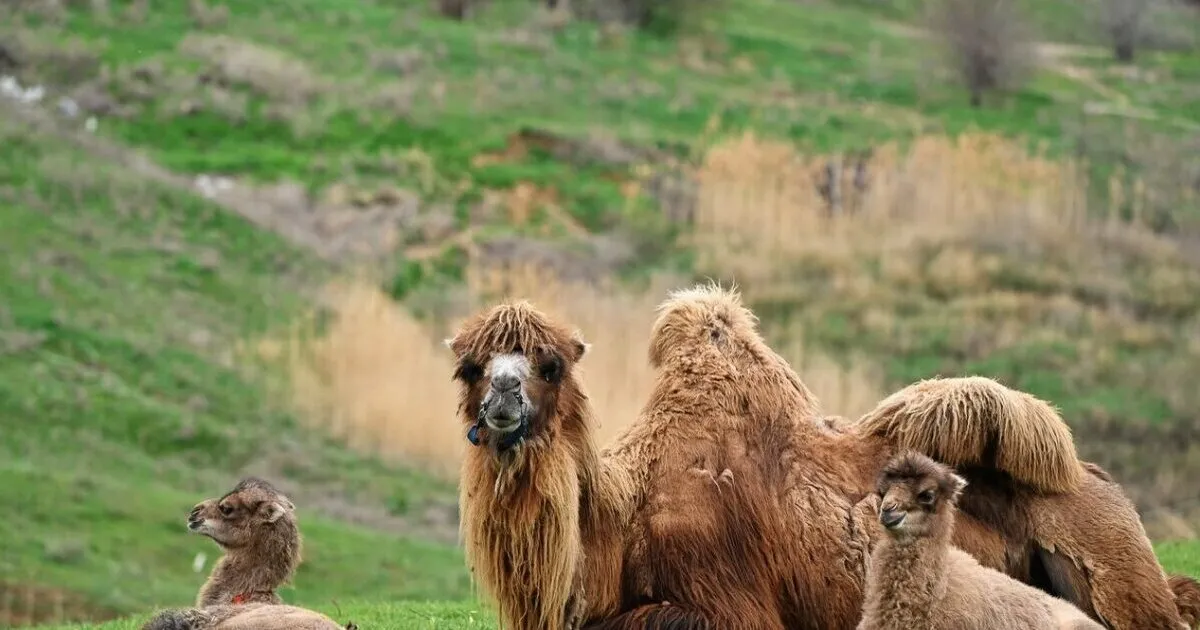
(505, 413)
(503, 425)
(892, 520)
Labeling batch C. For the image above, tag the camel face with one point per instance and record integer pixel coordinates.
(250, 513)
(913, 489)
(513, 364)
(506, 406)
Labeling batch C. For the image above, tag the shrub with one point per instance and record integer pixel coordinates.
(1123, 20)
(987, 43)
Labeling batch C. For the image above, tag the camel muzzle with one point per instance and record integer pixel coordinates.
(505, 414)
(194, 519)
(892, 518)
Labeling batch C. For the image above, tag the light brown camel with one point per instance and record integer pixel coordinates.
(560, 534)
(255, 525)
(917, 579)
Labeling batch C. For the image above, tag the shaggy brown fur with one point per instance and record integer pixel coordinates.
(556, 531)
(918, 580)
(255, 525)
(1086, 545)
(531, 513)
(972, 422)
(1187, 598)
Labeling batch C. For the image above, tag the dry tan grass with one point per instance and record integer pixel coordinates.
(380, 380)
(374, 377)
(760, 200)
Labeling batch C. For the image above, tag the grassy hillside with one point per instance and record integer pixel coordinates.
(329, 133)
(119, 409)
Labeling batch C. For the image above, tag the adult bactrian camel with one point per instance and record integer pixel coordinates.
(560, 534)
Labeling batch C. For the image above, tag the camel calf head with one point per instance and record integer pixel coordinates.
(252, 513)
(914, 492)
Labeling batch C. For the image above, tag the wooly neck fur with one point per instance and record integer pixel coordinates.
(253, 572)
(526, 508)
(909, 573)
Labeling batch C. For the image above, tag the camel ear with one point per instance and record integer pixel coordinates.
(580, 346)
(273, 510)
(449, 342)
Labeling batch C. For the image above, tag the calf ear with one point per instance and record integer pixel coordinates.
(273, 510)
(957, 484)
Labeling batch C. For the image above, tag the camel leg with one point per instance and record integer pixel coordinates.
(662, 616)
(1098, 557)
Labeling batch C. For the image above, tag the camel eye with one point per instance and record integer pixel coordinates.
(926, 497)
(226, 509)
(469, 372)
(551, 369)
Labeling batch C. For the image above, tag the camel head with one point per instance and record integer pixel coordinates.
(514, 366)
(914, 492)
(251, 515)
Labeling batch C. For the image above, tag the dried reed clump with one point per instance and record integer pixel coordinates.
(761, 200)
(380, 380)
(374, 377)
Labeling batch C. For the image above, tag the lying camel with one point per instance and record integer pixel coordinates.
(561, 534)
(917, 579)
(255, 525)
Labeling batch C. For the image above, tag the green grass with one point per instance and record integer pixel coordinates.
(418, 615)
(1177, 557)
(120, 300)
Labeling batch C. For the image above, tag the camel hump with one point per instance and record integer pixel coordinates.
(691, 319)
(975, 421)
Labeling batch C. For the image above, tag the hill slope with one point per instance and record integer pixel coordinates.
(121, 299)
(330, 131)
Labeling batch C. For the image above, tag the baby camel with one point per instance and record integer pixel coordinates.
(255, 525)
(918, 580)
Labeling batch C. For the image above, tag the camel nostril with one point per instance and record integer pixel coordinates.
(506, 383)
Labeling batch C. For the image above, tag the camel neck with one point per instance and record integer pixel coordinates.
(250, 575)
(909, 574)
